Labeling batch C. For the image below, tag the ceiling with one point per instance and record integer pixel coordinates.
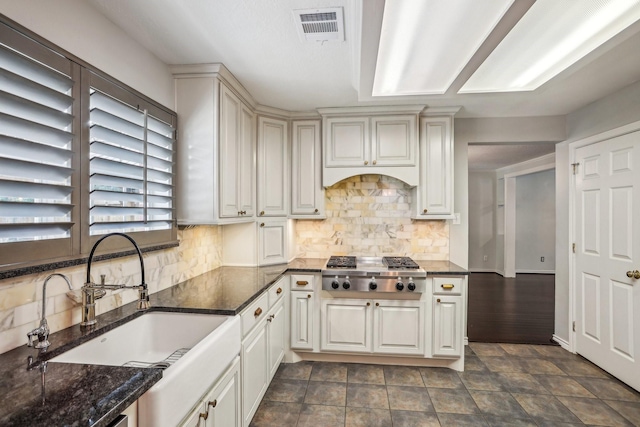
(259, 43)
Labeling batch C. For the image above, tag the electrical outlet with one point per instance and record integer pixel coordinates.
(485, 258)
(541, 259)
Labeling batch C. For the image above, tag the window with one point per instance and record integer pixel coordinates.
(81, 155)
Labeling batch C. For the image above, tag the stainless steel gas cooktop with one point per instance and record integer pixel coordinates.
(373, 274)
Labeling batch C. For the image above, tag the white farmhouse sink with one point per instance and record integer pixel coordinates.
(198, 347)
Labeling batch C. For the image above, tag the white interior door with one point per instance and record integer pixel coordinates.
(607, 206)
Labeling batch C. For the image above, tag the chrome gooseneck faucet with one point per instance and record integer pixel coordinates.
(41, 333)
(93, 291)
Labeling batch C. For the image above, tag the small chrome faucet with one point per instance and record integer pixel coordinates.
(41, 333)
(93, 291)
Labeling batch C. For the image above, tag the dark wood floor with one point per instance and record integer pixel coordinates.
(511, 310)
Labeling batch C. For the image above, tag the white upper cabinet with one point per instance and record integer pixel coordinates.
(370, 140)
(433, 198)
(217, 150)
(273, 167)
(307, 193)
(237, 157)
(393, 141)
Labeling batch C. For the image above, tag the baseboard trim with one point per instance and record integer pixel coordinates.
(483, 270)
(563, 343)
(536, 271)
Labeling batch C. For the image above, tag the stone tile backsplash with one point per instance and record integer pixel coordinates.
(21, 297)
(370, 215)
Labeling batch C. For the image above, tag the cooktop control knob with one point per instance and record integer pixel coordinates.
(400, 285)
(346, 284)
(372, 284)
(411, 285)
(335, 284)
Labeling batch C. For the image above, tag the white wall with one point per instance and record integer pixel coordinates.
(77, 27)
(482, 221)
(535, 222)
(490, 130)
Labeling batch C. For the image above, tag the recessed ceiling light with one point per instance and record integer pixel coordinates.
(550, 37)
(425, 44)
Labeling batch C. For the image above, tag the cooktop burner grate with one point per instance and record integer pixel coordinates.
(341, 262)
(393, 262)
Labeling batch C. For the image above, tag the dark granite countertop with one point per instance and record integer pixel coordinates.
(92, 395)
(443, 268)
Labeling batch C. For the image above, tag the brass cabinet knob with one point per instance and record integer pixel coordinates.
(309, 296)
(279, 291)
(377, 304)
(633, 274)
(204, 415)
(368, 304)
(315, 211)
(366, 162)
(424, 211)
(213, 403)
(438, 300)
(258, 312)
(261, 213)
(375, 162)
(262, 224)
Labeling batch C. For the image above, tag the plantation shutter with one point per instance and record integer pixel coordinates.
(37, 142)
(131, 163)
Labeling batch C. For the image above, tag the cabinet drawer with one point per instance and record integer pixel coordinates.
(276, 292)
(447, 285)
(301, 282)
(254, 313)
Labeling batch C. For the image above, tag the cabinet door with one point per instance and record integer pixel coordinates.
(272, 241)
(302, 320)
(346, 325)
(223, 403)
(246, 163)
(347, 141)
(273, 167)
(394, 140)
(255, 371)
(276, 337)
(447, 326)
(437, 156)
(398, 327)
(230, 108)
(307, 193)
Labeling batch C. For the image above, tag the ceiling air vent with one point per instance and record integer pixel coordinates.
(320, 24)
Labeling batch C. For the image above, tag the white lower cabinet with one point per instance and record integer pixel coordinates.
(255, 370)
(221, 406)
(398, 327)
(263, 348)
(373, 326)
(447, 326)
(302, 313)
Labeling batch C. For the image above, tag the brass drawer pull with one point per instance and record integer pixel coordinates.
(447, 286)
(258, 312)
(279, 291)
(302, 283)
(214, 403)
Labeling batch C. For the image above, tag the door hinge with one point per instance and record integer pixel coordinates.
(575, 167)
(573, 248)
(574, 326)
